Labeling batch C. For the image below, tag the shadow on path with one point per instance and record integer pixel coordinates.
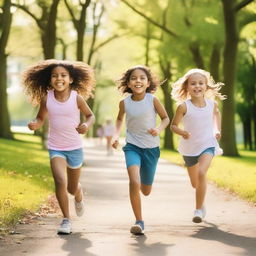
(151, 249)
(76, 245)
(225, 237)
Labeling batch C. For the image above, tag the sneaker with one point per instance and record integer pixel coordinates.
(199, 215)
(204, 211)
(79, 206)
(138, 228)
(65, 227)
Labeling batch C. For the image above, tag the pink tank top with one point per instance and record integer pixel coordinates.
(64, 117)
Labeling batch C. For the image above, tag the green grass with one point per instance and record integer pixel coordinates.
(237, 174)
(25, 177)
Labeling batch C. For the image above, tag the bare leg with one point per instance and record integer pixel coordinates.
(145, 189)
(197, 174)
(74, 187)
(134, 189)
(204, 163)
(58, 166)
(193, 174)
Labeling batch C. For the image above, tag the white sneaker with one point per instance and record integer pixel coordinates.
(79, 206)
(199, 215)
(204, 211)
(65, 227)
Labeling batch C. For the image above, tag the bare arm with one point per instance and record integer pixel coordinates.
(217, 119)
(39, 121)
(87, 112)
(119, 122)
(180, 112)
(164, 118)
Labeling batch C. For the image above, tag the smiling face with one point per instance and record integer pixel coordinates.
(60, 79)
(138, 81)
(196, 85)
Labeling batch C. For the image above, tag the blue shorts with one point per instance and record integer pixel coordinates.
(145, 158)
(192, 160)
(74, 157)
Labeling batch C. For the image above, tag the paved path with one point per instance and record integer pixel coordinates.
(229, 229)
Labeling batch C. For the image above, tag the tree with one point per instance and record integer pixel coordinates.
(46, 24)
(5, 25)
(246, 95)
(79, 25)
(230, 10)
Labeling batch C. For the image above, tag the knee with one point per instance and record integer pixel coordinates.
(72, 190)
(202, 175)
(145, 192)
(145, 189)
(194, 184)
(134, 185)
(60, 183)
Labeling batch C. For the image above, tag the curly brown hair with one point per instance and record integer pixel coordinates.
(124, 80)
(36, 79)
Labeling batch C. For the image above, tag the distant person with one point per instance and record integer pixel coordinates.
(100, 133)
(201, 120)
(59, 88)
(109, 130)
(142, 135)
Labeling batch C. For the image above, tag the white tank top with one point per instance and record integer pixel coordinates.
(199, 122)
(140, 117)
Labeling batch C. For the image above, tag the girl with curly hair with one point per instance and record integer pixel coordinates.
(142, 135)
(201, 118)
(59, 87)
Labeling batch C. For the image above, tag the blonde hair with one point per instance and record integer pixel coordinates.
(179, 88)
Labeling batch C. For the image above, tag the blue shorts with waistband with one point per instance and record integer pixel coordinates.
(145, 158)
(192, 160)
(74, 157)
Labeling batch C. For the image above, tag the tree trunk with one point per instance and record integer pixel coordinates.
(80, 43)
(5, 131)
(197, 57)
(6, 18)
(48, 34)
(168, 102)
(229, 71)
(215, 62)
(254, 125)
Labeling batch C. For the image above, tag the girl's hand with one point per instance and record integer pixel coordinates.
(34, 125)
(115, 144)
(185, 135)
(82, 128)
(217, 135)
(154, 131)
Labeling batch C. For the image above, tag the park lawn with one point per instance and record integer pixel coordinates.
(237, 174)
(25, 178)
